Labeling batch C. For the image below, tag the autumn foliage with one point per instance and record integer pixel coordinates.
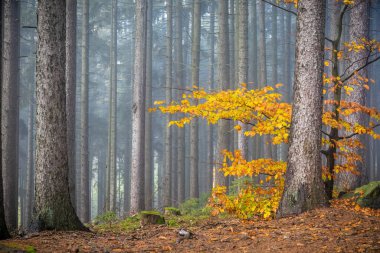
(263, 111)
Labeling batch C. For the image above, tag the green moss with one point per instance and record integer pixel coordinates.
(150, 212)
(172, 211)
(19, 247)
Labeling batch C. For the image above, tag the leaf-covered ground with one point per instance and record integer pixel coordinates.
(324, 230)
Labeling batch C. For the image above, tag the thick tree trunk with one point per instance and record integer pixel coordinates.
(194, 135)
(85, 172)
(180, 82)
(71, 65)
(138, 111)
(148, 117)
(168, 93)
(3, 227)
(224, 82)
(52, 208)
(359, 28)
(10, 108)
(303, 182)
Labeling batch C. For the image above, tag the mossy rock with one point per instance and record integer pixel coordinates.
(15, 247)
(367, 195)
(151, 217)
(172, 211)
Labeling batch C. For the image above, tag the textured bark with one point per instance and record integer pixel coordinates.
(194, 135)
(210, 127)
(3, 227)
(168, 94)
(252, 73)
(138, 111)
(52, 208)
(243, 64)
(112, 131)
(10, 108)
(223, 81)
(303, 184)
(180, 82)
(84, 163)
(71, 65)
(232, 65)
(359, 28)
(148, 117)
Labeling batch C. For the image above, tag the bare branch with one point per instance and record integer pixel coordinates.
(282, 8)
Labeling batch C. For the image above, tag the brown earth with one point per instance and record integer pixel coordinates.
(323, 230)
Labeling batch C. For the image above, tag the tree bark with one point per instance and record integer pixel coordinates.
(10, 109)
(149, 172)
(224, 82)
(71, 65)
(4, 234)
(303, 182)
(359, 28)
(52, 207)
(85, 169)
(243, 65)
(194, 134)
(138, 111)
(180, 82)
(168, 94)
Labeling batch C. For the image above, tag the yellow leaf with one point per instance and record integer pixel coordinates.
(327, 63)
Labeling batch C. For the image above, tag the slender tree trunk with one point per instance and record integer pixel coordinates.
(359, 28)
(138, 111)
(30, 160)
(194, 135)
(262, 65)
(52, 208)
(4, 234)
(113, 111)
(243, 64)
(101, 181)
(303, 180)
(10, 108)
(148, 117)
(274, 62)
(71, 65)
(168, 93)
(224, 82)
(85, 170)
(180, 81)
(210, 128)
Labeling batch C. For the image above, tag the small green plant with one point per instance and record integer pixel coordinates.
(106, 218)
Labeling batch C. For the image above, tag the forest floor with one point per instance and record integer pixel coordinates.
(335, 229)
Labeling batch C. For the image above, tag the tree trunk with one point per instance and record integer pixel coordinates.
(194, 135)
(101, 181)
(148, 117)
(10, 108)
(85, 172)
(30, 160)
(52, 208)
(138, 111)
(224, 81)
(262, 66)
(4, 234)
(210, 127)
(274, 62)
(359, 28)
(71, 66)
(168, 93)
(112, 147)
(243, 64)
(303, 181)
(180, 82)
